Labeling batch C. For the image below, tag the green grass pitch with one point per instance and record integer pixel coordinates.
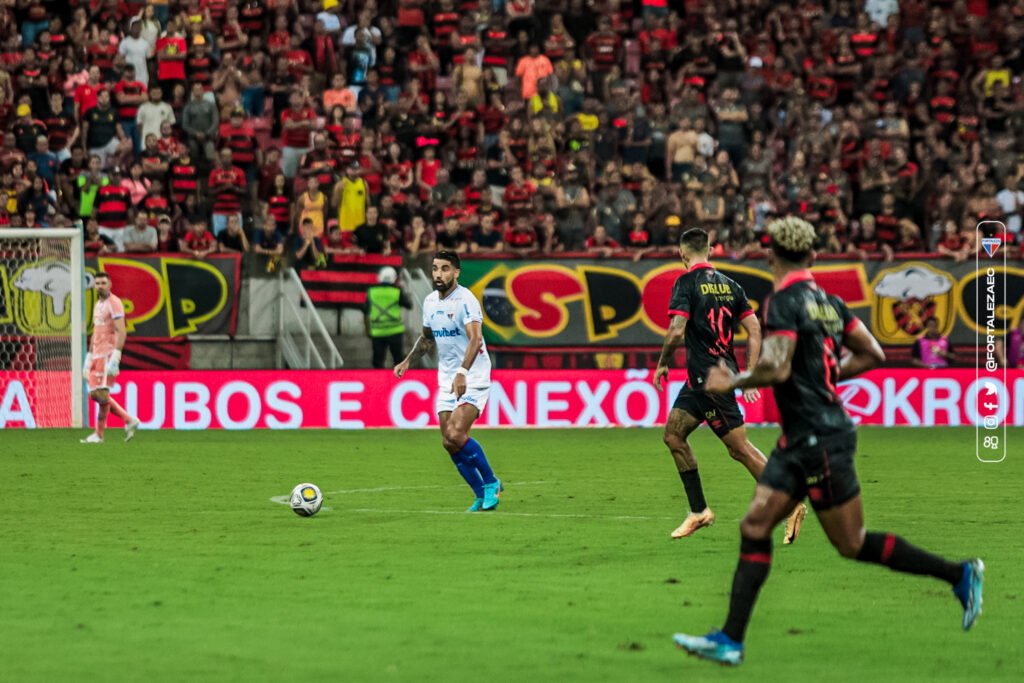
(166, 560)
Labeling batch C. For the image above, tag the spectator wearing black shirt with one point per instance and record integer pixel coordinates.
(26, 129)
(232, 239)
(372, 236)
(307, 249)
(452, 238)
(487, 239)
(103, 134)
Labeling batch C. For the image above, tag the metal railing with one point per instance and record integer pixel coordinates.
(298, 321)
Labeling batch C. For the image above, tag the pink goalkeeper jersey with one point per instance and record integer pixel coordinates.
(104, 335)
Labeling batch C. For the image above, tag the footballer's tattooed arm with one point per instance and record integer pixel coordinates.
(866, 353)
(424, 344)
(674, 337)
(773, 367)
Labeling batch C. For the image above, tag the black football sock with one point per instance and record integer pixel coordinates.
(751, 572)
(694, 491)
(896, 554)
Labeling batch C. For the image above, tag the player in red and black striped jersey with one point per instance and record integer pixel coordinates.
(59, 127)
(239, 136)
(603, 48)
(867, 242)
(112, 203)
(705, 307)
(806, 329)
(184, 177)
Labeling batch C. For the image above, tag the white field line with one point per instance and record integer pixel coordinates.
(506, 514)
(283, 500)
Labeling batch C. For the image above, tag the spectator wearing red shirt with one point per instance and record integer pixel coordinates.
(198, 242)
(521, 238)
(300, 62)
(603, 50)
(410, 20)
(600, 243)
(638, 239)
(184, 177)
(95, 242)
(102, 54)
(171, 53)
(297, 123)
(867, 242)
(324, 60)
(112, 203)
(87, 94)
(951, 242)
(520, 17)
(426, 172)
(320, 162)
(424, 64)
(279, 39)
(227, 186)
(518, 196)
(239, 136)
(129, 94)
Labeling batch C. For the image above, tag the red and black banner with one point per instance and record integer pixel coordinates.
(345, 280)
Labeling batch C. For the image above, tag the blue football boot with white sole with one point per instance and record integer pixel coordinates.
(968, 591)
(714, 647)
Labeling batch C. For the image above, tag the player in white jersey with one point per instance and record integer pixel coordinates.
(453, 322)
(102, 363)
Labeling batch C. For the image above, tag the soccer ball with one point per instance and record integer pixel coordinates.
(306, 500)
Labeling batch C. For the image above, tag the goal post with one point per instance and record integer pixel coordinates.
(42, 326)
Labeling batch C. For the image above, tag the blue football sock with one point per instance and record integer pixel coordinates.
(469, 473)
(473, 454)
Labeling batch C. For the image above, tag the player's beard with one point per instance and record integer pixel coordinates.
(444, 287)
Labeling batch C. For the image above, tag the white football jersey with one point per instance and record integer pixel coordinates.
(447, 319)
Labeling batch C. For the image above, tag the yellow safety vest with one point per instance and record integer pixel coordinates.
(384, 310)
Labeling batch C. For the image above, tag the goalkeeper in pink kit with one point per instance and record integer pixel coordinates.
(102, 363)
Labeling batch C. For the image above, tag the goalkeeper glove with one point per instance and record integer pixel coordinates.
(113, 364)
(88, 364)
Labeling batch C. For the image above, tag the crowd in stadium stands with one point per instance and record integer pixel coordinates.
(302, 128)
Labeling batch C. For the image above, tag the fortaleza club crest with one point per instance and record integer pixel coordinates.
(990, 245)
(907, 297)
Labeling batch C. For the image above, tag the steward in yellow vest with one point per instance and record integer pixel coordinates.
(383, 317)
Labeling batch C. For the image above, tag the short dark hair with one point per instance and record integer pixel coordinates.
(100, 274)
(694, 239)
(449, 256)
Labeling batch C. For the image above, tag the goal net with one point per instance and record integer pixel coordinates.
(42, 335)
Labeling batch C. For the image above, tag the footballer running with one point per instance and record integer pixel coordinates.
(704, 308)
(453, 322)
(102, 363)
(806, 330)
